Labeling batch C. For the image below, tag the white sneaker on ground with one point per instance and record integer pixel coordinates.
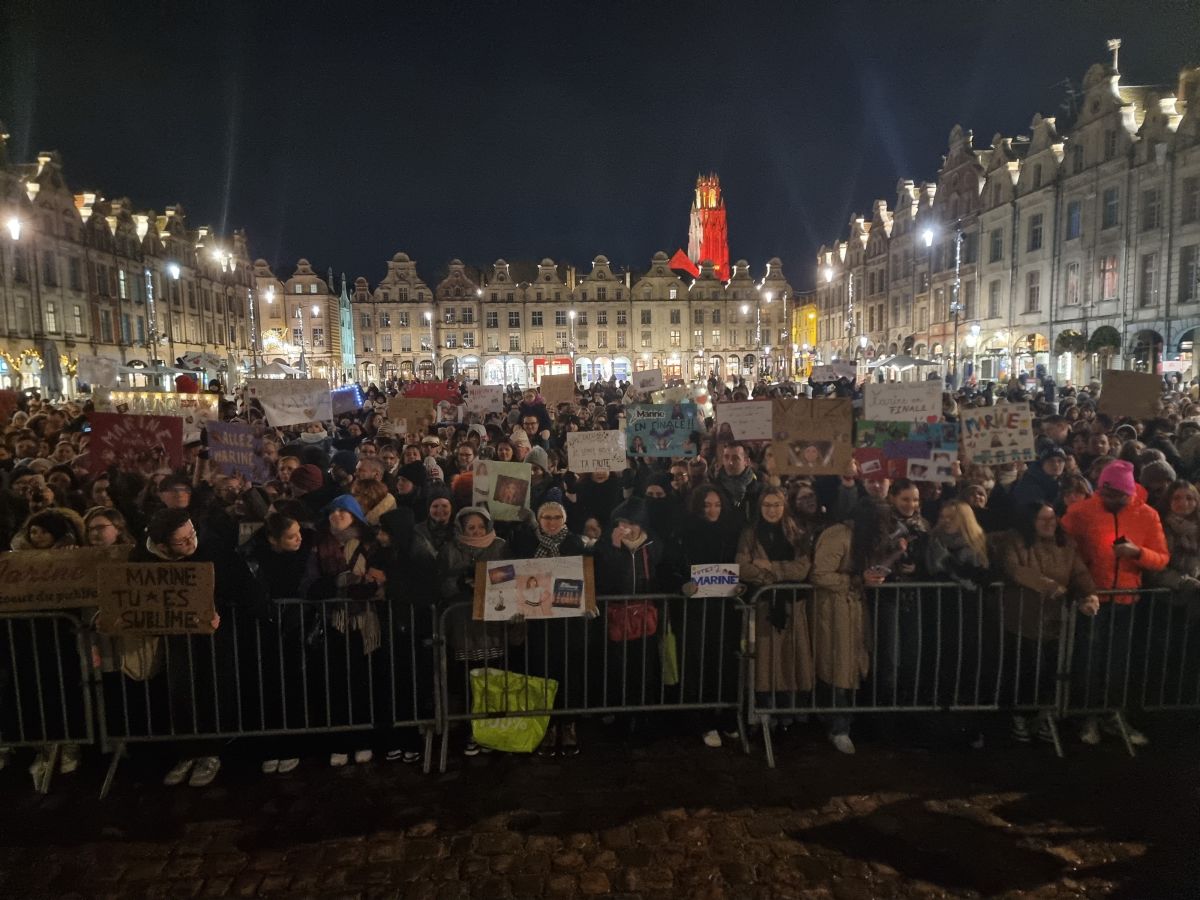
(205, 771)
(68, 758)
(288, 765)
(843, 743)
(1090, 732)
(178, 772)
(472, 748)
(1110, 726)
(337, 760)
(37, 768)
(712, 738)
(362, 757)
(1020, 729)
(270, 766)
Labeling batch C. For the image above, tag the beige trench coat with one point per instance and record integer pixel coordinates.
(782, 659)
(839, 617)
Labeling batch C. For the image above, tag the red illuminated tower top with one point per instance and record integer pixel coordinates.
(708, 237)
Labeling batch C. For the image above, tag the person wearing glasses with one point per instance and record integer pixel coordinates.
(201, 681)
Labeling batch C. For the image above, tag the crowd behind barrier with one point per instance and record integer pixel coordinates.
(1032, 594)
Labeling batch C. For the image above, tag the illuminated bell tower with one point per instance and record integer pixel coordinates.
(708, 237)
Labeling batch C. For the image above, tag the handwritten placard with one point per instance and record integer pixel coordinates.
(292, 401)
(556, 389)
(237, 449)
(992, 435)
(156, 598)
(418, 413)
(661, 429)
(1137, 395)
(32, 580)
(812, 437)
(348, 399)
(140, 444)
(196, 410)
(716, 579)
(485, 398)
(746, 420)
(596, 451)
(646, 381)
(903, 401)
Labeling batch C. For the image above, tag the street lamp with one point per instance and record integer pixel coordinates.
(173, 270)
(927, 236)
(432, 346)
(571, 341)
(14, 228)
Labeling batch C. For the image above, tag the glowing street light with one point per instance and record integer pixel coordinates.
(173, 270)
(828, 274)
(14, 228)
(927, 236)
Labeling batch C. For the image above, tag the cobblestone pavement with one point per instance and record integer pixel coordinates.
(667, 818)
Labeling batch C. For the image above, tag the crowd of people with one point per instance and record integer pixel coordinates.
(388, 521)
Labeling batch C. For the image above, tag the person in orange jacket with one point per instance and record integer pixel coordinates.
(1119, 537)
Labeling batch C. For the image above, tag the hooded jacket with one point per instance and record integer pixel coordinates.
(1094, 529)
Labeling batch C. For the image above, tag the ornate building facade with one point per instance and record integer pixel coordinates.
(708, 232)
(1071, 249)
(599, 324)
(305, 322)
(82, 275)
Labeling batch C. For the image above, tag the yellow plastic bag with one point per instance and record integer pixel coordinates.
(502, 692)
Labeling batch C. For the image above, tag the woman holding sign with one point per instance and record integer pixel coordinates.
(707, 626)
(773, 550)
(200, 677)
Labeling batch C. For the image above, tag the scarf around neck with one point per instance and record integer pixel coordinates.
(549, 544)
(478, 543)
(737, 484)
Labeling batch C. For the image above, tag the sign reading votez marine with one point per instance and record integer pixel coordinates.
(292, 401)
(903, 401)
(33, 580)
(156, 598)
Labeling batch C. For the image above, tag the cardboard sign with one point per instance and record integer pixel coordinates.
(292, 401)
(661, 429)
(903, 401)
(920, 450)
(32, 580)
(196, 410)
(716, 580)
(1137, 395)
(648, 380)
(503, 486)
(596, 451)
(140, 444)
(992, 435)
(832, 372)
(556, 389)
(746, 420)
(237, 449)
(555, 587)
(417, 413)
(485, 398)
(156, 598)
(812, 437)
(347, 399)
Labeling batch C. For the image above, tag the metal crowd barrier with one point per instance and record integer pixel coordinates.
(1142, 651)
(693, 662)
(341, 666)
(312, 668)
(45, 696)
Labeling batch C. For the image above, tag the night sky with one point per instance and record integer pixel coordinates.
(524, 130)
